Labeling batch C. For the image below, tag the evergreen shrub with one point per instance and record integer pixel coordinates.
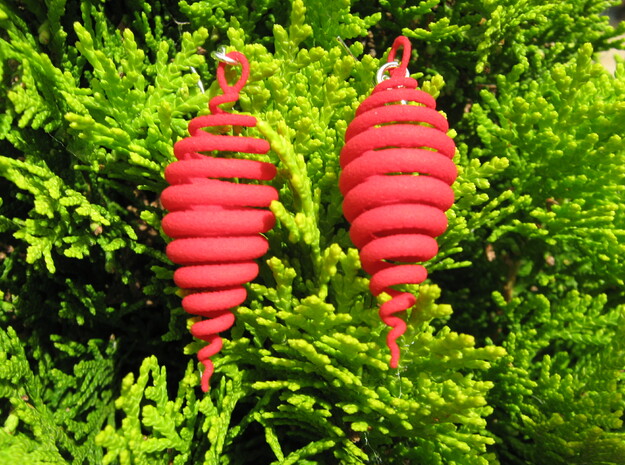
(96, 362)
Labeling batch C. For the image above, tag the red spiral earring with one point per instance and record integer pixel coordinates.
(216, 224)
(396, 177)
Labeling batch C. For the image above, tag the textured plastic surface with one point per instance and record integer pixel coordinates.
(216, 223)
(396, 177)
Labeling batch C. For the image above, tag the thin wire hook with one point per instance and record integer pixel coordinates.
(199, 81)
(220, 55)
(344, 45)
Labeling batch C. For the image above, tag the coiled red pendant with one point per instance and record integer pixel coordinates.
(396, 177)
(216, 224)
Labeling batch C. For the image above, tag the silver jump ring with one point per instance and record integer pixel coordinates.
(220, 55)
(379, 77)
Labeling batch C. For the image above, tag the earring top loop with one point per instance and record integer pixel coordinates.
(231, 92)
(400, 42)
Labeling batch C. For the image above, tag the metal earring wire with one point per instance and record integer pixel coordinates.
(199, 81)
(380, 76)
(220, 55)
(344, 45)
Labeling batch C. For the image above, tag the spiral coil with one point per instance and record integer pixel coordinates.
(396, 177)
(216, 224)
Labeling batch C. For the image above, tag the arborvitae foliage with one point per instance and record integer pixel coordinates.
(96, 363)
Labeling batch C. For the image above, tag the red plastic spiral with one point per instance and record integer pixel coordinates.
(216, 224)
(396, 177)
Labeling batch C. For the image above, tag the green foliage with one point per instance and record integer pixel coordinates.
(566, 154)
(54, 412)
(563, 387)
(170, 424)
(96, 363)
